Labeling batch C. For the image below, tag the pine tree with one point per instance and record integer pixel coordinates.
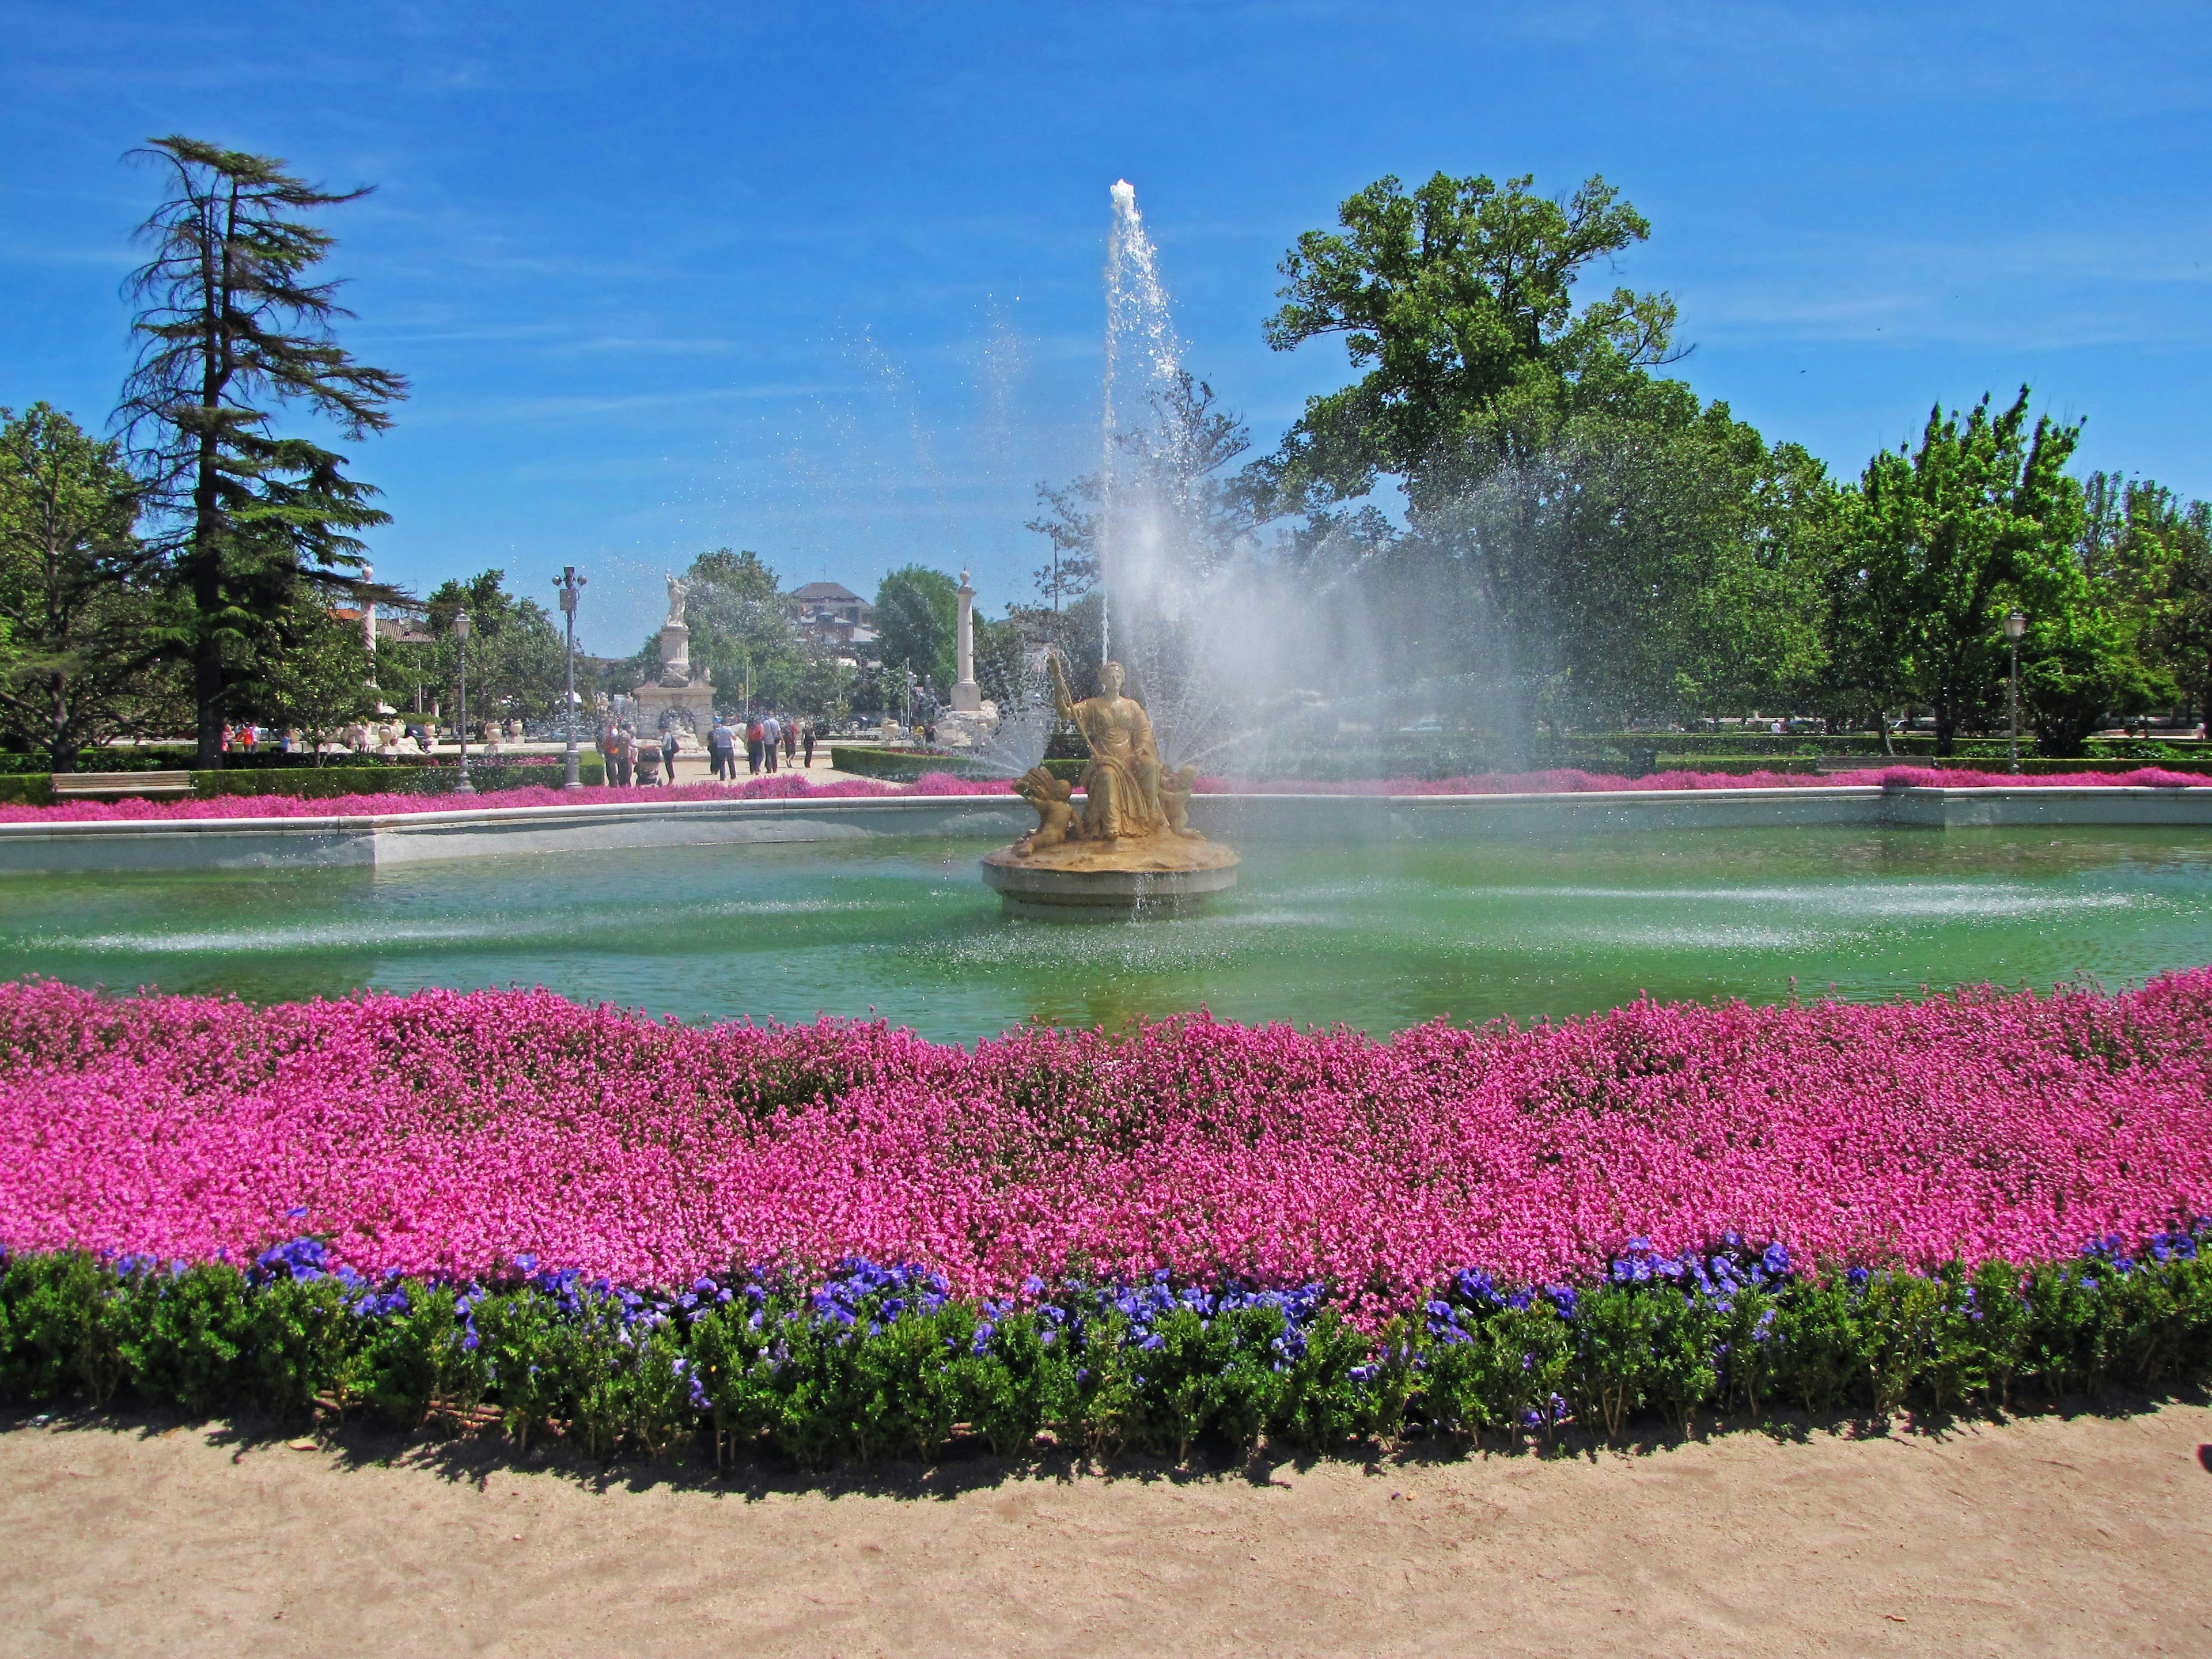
(232, 331)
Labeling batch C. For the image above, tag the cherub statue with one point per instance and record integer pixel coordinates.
(1055, 809)
(678, 591)
(1174, 801)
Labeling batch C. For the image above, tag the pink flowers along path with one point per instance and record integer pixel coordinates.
(794, 786)
(444, 1131)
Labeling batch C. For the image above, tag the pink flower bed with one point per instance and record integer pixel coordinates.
(450, 1131)
(791, 787)
(781, 785)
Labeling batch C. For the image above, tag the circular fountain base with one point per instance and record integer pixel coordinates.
(1094, 881)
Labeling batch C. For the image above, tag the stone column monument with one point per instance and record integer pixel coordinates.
(970, 720)
(967, 695)
(675, 698)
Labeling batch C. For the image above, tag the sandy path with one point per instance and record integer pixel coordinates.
(2044, 1536)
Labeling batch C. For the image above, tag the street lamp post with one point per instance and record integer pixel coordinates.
(461, 647)
(2015, 625)
(568, 583)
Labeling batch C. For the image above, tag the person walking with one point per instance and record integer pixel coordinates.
(753, 744)
(626, 741)
(719, 751)
(610, 765)
(790, 741)
(771, 740)
(668, 746)
(806, 740)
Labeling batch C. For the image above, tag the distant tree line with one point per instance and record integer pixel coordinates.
(1582, 537)
(1511, 514)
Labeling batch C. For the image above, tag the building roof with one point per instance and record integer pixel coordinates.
(818, 592)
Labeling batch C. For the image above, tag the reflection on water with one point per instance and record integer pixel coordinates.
(1378, 937)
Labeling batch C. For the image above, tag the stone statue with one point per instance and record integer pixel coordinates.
(1131, 849)
(1122, 781)
(1055, 811)
(678, 591)
(1175, 799)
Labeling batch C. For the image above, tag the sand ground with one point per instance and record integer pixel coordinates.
(2088, 1534)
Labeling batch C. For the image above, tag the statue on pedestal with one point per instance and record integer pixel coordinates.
(678, 591)
(1130, 847)
(1123, 778)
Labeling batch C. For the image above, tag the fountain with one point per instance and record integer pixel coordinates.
(1129, 848)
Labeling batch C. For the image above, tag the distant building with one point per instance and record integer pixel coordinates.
(833, 616)
(832, 599)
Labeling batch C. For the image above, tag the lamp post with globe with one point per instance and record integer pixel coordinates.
(461, 649)
(2015, 626)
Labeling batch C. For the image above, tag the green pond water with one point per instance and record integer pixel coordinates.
(1377, 937)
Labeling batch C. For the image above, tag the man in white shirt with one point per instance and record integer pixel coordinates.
(771, 740)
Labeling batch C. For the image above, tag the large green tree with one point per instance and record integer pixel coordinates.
(518, 658)
(1942, 542)
(2149, 551)
(233, 328)
(80, 627)
(1456, 301)
(1655, 557)
(319, 679)
(917, 615)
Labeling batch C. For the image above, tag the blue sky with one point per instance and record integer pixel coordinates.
(824, 280)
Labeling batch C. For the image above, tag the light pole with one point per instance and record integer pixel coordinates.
(2015, 625)
(461, 649)
(568, 583)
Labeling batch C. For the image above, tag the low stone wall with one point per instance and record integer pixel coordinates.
(406, 837)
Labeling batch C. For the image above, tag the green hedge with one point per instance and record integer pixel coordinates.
(881, 1363)
(900, 765)
(327, 782)
(322, 783)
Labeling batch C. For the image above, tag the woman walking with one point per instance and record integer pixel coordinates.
(806, 738)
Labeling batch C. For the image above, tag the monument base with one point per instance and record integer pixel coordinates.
(690, 708)
(1110, 881)
(966, 728)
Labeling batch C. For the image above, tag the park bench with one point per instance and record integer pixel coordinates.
(122, 783)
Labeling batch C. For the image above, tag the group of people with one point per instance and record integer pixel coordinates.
(768, 742)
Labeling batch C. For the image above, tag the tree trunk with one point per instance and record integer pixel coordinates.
(1947, 728)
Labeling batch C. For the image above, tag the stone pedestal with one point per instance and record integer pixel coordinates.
(675, 698)
(960, 728)
(675, 655)
(1090, 881)
(690, 706)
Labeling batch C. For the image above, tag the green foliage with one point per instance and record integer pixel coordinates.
(917, 615)
(424, 1362)
(518, 656)
(62, 1329)
(1937, 544)
(233, 327)
(898, 766)
(1455, 299)
(820, 1383)
(317, 677)
(81, 656)
(189, 1335)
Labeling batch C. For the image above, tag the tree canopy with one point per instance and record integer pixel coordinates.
(233, 328)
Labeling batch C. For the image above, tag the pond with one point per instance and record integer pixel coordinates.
(1378, 937)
